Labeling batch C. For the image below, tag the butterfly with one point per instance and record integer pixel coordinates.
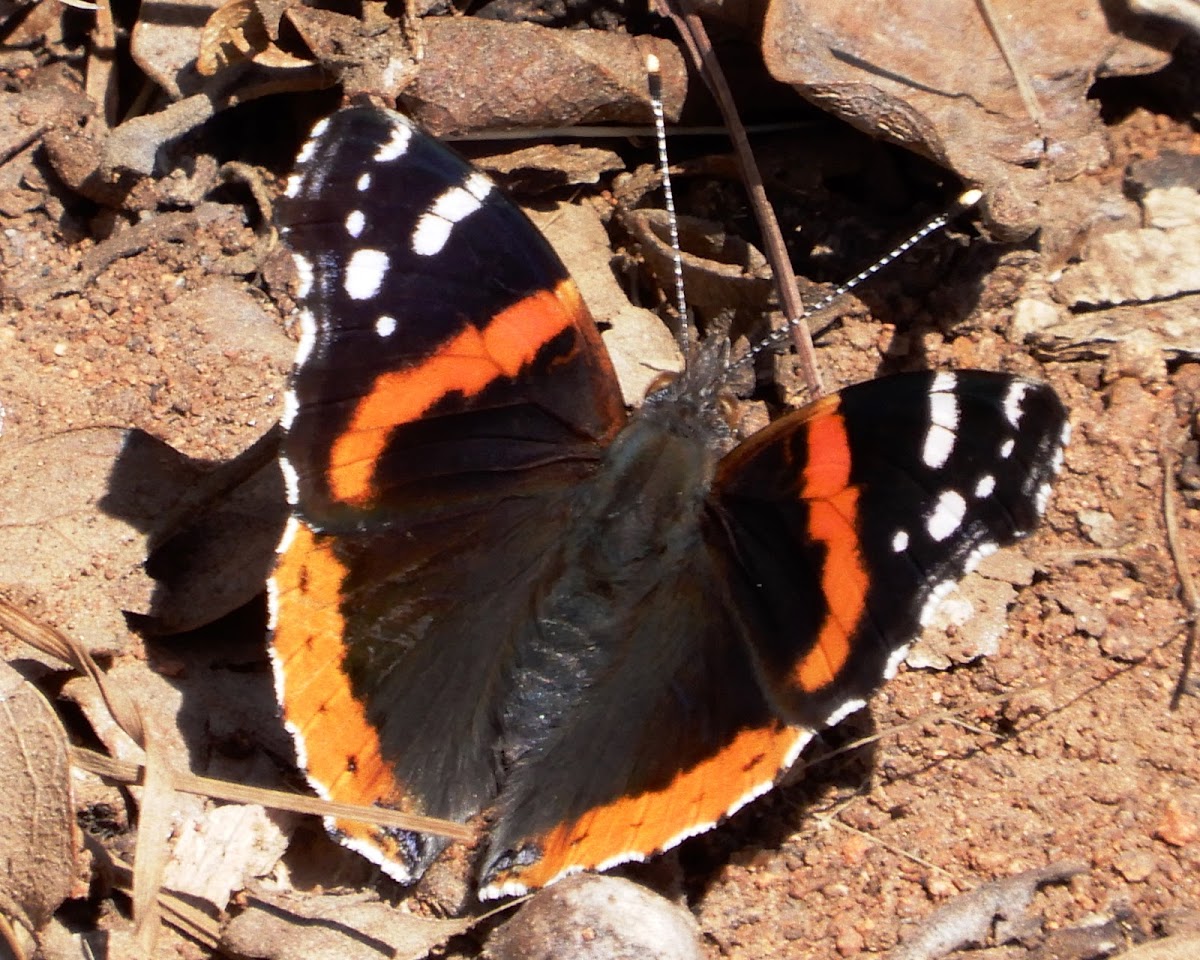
(501, 596)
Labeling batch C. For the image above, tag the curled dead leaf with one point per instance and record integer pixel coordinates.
(932, 79)
(237, 32)
(482, 74)
(720, 270)
(39, 841)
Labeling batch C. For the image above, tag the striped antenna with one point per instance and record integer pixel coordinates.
(654, 79)
(964, 201)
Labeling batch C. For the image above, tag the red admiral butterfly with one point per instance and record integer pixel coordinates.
(501, 595)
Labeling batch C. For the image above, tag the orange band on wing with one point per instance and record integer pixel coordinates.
(632, 828)
(341, 748)
(833, 518)
(464, 365)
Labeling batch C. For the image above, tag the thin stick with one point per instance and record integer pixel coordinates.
(700, 49)
(1024, 87)
(1183, 568)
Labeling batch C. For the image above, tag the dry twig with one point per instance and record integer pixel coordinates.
(700, 49)
(1183, 569)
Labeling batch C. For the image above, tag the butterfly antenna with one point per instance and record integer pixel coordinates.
(964, 201)
(654, 80)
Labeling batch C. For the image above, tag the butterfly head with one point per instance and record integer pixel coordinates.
(698, 398)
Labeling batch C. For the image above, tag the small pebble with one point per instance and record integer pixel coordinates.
(597, 918)
(1178, 826)
(1134, 865)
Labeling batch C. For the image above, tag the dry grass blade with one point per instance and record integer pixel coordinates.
(185, 782)
(100, 81)
(154, 827)
(8, 939)
(184, 917)
(50, 641)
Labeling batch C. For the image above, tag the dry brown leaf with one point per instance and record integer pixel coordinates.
(1174, 327)
(218, 854)
(372, 54)
(236, 33)
(57, 546)
(641, 346)
(555, 164)
(165, 40)
(39, 842)
(930, 77)
(480, 74)
(720, 270)
(334, 927)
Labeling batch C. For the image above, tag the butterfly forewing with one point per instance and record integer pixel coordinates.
(851, 518)
(430, 307)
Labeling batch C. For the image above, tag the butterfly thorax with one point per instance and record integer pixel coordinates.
(656, 476)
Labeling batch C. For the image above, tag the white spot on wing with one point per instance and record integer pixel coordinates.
(293, 185)
(306, 151)
(985, 486)
(319, 128)
(304, 270)
(308, 337)
(478, 185)
(1042, 498)
(395, 146)
(290, 408)
(943, 382)
(936, 596)
(976, 556)
(385, 326)
(363, 182)
(364, 273)
(895, 658)
(1013, 399)
(899, 541)
(431, 235)
(943, 421)
(842, 712)
(946, 516)
(453, 206)
(291, 481)
(1006, 448)
(355, 222)
(939, 443)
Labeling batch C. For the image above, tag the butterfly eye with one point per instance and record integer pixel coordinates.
(661, 383)
(728, 407)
